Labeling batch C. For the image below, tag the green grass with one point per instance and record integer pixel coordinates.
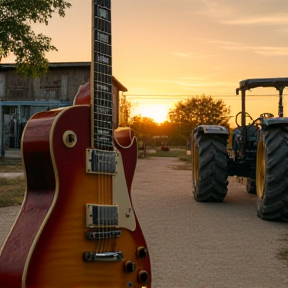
(8, 164)
(283, 253)
(12, 191)
(181, 154)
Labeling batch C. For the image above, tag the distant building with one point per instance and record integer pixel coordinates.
(20, 97)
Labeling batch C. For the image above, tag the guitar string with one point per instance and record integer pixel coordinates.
(96, 147)
(110, 119)
(104, 120)
(96, 135)
(106, 157)
(109, 125)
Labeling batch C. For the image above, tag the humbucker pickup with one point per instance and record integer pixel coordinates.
(101, 215)
(101, 161)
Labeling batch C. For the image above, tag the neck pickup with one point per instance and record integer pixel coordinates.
(101, 161)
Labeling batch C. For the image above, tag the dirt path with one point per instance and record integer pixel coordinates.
(199, 244)
(205, 245)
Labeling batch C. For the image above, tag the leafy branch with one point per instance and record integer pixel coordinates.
(17, 36)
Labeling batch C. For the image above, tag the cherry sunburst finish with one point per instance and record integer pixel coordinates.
(77, 226)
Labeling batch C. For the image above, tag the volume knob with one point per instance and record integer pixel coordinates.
(141, 252)
(130, 266)
(143, 276)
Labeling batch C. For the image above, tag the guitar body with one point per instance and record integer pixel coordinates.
(46, 245)
(77, 227)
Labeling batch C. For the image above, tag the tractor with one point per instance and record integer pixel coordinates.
(259, 153)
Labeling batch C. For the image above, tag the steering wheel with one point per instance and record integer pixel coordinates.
(266, 115)
(246, 115)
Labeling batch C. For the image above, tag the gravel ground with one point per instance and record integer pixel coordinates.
(199, 245)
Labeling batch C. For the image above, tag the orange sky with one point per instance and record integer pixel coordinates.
(173, 49)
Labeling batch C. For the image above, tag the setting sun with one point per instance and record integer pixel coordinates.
(158, 112)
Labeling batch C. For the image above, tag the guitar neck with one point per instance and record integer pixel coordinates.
(101, 77)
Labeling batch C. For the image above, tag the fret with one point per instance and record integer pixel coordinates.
(105, 70)
(102, 109)
(103, 133)
(103, 27)
(104, 81)
(102, 37)
(104, 103)
(102, 95)
(103, 3)
(103, 13)
(102, 87)
(100, 47)
(103, 59)
(103, 123)
(103, 142)
(103, 139)
(103, 127)
(104, 147)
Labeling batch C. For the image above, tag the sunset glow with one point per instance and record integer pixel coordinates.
(158, 112)
(180, 47)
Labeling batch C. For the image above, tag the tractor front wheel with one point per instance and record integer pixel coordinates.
(209, 167)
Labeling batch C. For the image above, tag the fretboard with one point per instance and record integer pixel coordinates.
(101, 77)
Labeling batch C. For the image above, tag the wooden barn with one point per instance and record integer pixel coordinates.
(20, 97)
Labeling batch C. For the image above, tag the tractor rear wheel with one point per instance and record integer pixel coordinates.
(272, 173)
(209, 167)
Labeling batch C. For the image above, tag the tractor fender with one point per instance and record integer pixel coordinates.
(273, 121)
(212, 129)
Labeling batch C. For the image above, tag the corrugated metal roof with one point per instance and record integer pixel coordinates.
(52, 64)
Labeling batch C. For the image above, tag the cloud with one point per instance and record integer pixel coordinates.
(183, 55)
(272, 51)
(191, 81)
(215, 9)
(265, 20)
(243, 12)
(261, 50)
(193, 55)
(204, 83)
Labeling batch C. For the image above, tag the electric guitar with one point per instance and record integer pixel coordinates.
(77, 226)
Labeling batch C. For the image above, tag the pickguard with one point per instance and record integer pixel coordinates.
(121, 197)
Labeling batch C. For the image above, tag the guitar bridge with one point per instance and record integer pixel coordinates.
(103, 257)
(97, 235)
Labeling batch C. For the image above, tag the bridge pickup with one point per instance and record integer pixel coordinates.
(101, 161)
(96, 235)
(101, 215)
(103, 257)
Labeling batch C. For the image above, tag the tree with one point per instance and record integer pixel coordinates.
(144, 128)
(17, 36)
(196, 111)
(125, 108)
